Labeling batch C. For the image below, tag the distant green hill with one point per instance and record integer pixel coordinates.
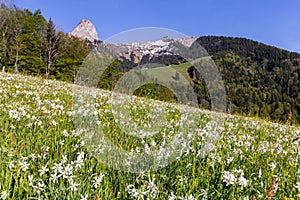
(260, 80)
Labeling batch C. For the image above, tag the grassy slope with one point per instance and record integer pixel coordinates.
(37, 132)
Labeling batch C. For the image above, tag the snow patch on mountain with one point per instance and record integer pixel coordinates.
(136, 50)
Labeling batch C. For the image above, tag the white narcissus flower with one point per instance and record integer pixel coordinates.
(203, 194)
(57, 168)
(64, 159)
(4, 195)
(30, 178)
(54, 177)
(97, 180)
(39, 187)
(73, 185)
(53, 123)
(65, 133)
(259, 173)
(11, 164)
(83, 197)
(43, 170)
(67, 172)
(228, 178)
(32, 156)
(242, 181)
(272, 166)
(79, 162)
(24, 165)
(172, 196)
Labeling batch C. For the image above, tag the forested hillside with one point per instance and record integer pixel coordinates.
(261, 80)
(30, 44)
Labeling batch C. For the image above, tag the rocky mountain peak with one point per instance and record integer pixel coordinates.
(85, 30)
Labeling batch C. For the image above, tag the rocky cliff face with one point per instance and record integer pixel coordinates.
(85, 30)
(143, 52)
(138, 52)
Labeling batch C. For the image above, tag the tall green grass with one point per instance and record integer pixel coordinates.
(43, 155)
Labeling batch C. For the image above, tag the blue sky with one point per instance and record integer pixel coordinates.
(274, 22)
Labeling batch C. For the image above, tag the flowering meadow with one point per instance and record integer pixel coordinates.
(43, 156)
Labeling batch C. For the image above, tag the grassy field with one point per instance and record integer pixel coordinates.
(44, 156)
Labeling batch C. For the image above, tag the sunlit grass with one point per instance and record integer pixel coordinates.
(44, 156)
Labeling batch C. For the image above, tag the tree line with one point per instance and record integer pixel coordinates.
(32, 45)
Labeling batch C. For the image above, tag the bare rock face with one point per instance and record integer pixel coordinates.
(162, 51)
(149, 50)
(85, 30)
